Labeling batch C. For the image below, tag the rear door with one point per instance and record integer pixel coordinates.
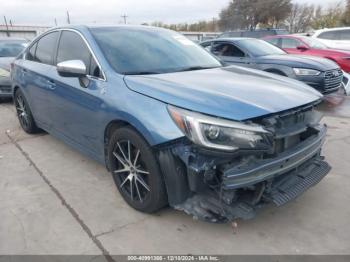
(37, 69)
(76, 103)
(228, 53)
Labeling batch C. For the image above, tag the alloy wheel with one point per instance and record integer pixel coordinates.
(22, 112)
(131, 173)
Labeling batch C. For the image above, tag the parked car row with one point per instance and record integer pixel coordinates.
(303, 45)
(332, 44)
(322, 74)
(9, 49)
(171, 123)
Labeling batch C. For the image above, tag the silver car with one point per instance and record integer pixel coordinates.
(9, 49)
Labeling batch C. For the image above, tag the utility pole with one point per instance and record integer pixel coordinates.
(55, 22)
(7, 27)
(68, 18)
(124, 17)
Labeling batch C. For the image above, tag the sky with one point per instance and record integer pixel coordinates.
(44, 12)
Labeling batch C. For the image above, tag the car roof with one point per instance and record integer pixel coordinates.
(231, 39)
(332, 29)
(90, 26)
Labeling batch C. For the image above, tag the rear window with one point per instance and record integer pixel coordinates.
(345, 35)
(331, 35)
(11, 48)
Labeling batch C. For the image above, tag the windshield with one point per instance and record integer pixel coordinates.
(147, 50)
(313, 43)
(11, 48)
(258, 47)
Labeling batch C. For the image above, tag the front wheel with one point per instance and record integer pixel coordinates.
(136, 171)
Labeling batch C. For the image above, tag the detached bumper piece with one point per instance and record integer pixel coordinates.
(289, 188)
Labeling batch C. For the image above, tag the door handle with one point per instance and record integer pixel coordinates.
(51, 84)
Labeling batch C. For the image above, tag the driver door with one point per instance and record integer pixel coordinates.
(76, 103)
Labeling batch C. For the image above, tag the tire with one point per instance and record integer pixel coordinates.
(24, 114)
(139, 182)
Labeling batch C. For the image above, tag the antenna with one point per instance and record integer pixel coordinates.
(7, 27)
(68, 18)
(124, 17)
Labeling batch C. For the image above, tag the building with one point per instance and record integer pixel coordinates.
(22, 31)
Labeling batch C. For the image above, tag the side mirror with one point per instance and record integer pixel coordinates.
(71, 68)
(302, 48)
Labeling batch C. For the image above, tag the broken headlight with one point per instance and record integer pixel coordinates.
(219, 133)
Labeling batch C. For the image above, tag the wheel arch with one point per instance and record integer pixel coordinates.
(118, 123)
(275, 71)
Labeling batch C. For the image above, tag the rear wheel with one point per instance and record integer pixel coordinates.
(135, 171)
(24, 114)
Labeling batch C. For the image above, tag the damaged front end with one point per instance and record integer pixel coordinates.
(226, 170)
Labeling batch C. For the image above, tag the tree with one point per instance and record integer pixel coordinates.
(328, 18)
(247, 14)
(300, 17)
(346, 15)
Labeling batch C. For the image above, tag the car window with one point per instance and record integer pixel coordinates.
(258, 47)
(290, 43)
(206, 46)
(11, 48)
(68, 45)
(345, 35)
(137, 51)
(226, 49)
(31, 52)
(46, 48)
(273, 41)
(331, 35)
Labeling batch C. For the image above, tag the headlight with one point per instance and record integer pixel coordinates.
(306, 72)
(219, 133)
(4, 73)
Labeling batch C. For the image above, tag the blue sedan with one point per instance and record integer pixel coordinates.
(171, 124)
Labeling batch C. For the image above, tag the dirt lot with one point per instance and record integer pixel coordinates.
(54, 200)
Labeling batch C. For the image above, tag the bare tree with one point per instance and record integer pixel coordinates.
(346, 15)
(300, 17)
(330, 17)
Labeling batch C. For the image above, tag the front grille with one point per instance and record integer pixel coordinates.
(5, 89)
(333, 79)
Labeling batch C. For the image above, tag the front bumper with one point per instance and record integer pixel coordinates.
(325, 83)
(237, 177)
(242, 187)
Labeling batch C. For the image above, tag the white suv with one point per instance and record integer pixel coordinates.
(334, 38)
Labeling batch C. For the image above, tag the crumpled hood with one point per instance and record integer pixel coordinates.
(5, 62)
(233, 92)
(311, 62)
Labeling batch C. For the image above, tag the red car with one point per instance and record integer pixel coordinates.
(303, 45)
